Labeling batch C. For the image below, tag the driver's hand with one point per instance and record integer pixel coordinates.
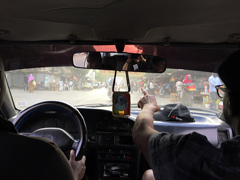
(148, 100)
(78, 167)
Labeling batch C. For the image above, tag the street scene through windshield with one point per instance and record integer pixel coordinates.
(93, 87)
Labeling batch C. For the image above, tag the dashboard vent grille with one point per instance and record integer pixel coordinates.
(223, 135)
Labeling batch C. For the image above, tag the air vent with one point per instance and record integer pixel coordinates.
(223, 135)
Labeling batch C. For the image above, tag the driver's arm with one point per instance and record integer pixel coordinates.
(78, 167)
(143, 126)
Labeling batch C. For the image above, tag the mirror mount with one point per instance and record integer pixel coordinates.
(120, 44)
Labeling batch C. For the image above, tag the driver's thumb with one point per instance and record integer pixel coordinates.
(72, 156)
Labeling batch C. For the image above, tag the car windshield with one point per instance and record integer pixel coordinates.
(94, 87)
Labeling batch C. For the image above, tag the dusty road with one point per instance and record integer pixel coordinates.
(24, 99)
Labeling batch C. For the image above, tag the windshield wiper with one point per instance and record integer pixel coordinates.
(94, 105)
(102, 105)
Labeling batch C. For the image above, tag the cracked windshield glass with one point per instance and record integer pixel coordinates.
(94, 87)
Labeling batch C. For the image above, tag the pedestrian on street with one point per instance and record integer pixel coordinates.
(213, 80)
(186, 94)
(25, 83)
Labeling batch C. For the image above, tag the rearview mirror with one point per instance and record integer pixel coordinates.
(120, 62)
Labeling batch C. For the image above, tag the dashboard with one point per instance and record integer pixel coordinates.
(110, 150)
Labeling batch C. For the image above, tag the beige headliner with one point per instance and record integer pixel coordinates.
(185, 21)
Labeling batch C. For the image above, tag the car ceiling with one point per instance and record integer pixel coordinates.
(185, 21)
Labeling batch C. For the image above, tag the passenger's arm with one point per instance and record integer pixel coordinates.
(143, 127)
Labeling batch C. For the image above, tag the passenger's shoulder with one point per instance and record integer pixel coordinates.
(235, 140)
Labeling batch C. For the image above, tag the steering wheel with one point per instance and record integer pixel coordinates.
(61, 137)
